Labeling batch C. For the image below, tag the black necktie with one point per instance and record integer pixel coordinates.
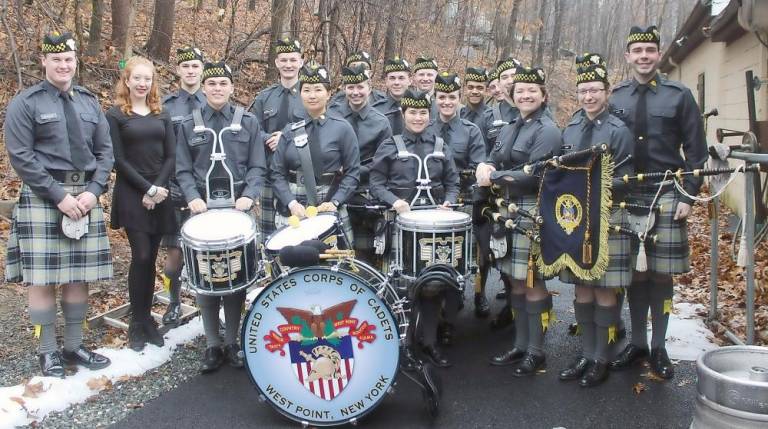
(217, 121)
(445, 133)
(79, 153)
(641, 130)
(315, 149)
(191, 102)
(354, 118)
(586, 135)
(282, 113)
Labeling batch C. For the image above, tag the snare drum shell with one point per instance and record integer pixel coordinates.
(428, 237)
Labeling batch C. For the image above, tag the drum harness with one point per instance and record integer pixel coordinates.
(218, 198)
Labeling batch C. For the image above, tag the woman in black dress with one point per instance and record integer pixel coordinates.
(144, 146)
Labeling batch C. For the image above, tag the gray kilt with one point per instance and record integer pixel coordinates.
(515, 262)
(39, 254)
(671, 253)
(300, 193)
(619, 271)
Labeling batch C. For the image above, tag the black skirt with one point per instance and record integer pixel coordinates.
(128, 212)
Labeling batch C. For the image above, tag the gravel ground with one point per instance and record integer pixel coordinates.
(112, 405)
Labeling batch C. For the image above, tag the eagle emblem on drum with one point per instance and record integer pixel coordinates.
(320, 345)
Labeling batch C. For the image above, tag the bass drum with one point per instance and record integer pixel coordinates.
(322, 344)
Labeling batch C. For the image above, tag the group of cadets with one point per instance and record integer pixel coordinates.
(302, 145)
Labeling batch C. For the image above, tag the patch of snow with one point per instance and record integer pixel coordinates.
(687, 336)
(58, 394)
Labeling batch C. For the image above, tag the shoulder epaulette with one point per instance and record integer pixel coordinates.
(622, 84)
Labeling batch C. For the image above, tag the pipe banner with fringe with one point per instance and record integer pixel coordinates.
(575, 203)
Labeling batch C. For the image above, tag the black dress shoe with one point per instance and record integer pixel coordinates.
(51, 365)
(153, 335)
(213, 358)
(501, 295)
(435, 355)
(503, 319)
(573, 329)
(529, 365)
(232, 355)
(595, 375)
(86, 358)
(508, 357)
(631, 355)
(482, 309)
(137, 339)
(576, 370)
(172, 316)
(660, 363)
(445, 334)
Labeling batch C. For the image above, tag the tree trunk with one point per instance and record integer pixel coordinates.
(94, 38)
(662, 11)
(128, 45)
(538, 56)
(554, 50)
(390, 35)
(280, 14)
(159, 44)
(120, 13)
(296, 18)
(511, 36)
(325, 25)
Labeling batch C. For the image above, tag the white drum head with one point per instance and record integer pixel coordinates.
(433, 218)
(217, 225)
(310, 228)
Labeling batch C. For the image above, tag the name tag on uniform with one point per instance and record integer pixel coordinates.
(567, 147)
(268, 111)
(49, 116)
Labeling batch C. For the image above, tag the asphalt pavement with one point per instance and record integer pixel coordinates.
(475, 394)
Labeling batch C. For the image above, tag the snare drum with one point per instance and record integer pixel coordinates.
(323, 227)
(322, 344)
(220, 251)
(429, 237)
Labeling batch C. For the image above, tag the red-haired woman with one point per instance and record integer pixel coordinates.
(144, 146)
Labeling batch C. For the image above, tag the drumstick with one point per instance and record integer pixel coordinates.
(339, 252)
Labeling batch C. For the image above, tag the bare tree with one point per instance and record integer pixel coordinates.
(510, 39)
(159, 44)
(280, 15)
(554, 49)
(538, 53)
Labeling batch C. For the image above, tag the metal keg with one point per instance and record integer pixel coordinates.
(732, 388)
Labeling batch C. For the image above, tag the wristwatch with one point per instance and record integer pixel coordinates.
(336, 203)
(152, 191)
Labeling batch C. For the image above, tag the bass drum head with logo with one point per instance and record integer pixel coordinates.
(321, 346)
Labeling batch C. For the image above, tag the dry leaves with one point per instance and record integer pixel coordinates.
(100, 383)
(639, 388)
(33, 390)
(650, 375)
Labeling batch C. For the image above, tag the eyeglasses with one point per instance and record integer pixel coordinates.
(590, 91)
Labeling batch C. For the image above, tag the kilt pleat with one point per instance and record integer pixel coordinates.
(515, 262)
(670, 254)
(39, 254)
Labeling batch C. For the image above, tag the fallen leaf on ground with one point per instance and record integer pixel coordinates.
(33, 390)
(100, 383)
(134, 406)
(639, 388)
(651, 376)
(19, 401)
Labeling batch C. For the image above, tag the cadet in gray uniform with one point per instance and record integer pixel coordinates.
(393, 181)
(178, 105)
(495, 94)
(532, 136)
(397, 79)
(371, 128)
(58, 143)
(323, 146)
(466, 142)
(246, 161)
(475, 110)
(664, 119)
(359, 58)
(275, 107)
(424, 75)
(505, 110)
(595, 304)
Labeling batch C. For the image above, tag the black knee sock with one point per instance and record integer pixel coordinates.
(585, 317)
(209, 309)
(233, 310)
(429, 312)
(639, 300)
(606, 326)
(45, 328)
(74, 316)
(521, 319)
(620, 294)
(174, 288)
(538, 316)
(661, 306)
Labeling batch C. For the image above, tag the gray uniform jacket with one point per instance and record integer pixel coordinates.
(465, 139)
(393, 178)
(244, 149)
(341, 155)
(537, 138)
(371, 128)
(266, 107)
(36, 139)
(482, 116)
(181, 103)
(607, 129)
(341, 97)
(391, 109)
(673, 122)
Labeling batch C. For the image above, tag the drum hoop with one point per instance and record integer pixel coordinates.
(197, 243)
(263, 394)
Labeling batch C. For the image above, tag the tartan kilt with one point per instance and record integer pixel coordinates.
(619, 271)
(39, 254)
(671, 253)
(515, 262)
(268, 211)
(299, 192)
